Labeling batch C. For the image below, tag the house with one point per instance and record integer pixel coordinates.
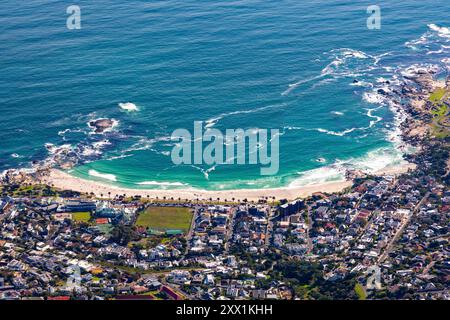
(258, 294)
(209, 280)
(4, 203)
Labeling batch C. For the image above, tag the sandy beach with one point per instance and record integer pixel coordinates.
(63, 180)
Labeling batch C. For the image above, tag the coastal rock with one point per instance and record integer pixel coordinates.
(102, 125)
(352, 174)
(18, 177)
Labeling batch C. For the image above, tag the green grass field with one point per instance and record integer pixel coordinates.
(360, 292)
(81, 216)
(440, 113)
(437, 95)
(165, 218)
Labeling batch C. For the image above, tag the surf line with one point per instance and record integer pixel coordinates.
(230, 148)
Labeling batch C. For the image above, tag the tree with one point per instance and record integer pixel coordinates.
(123, 234)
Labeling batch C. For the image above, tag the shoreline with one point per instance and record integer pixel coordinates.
(64, 180)
(409, 131)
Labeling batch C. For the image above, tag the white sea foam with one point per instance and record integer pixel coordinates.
(378, 159)
(436, 51)
(371, 115)
(318, 176)
(167, 184)
(373, 97)
(62, 133)
(430, 40)
(446, 61)
(128, 106)
(381, 56)
(336, 133)
(88, 152)
(213, 121)
(332, 67)
(337, 113)
(416, 69)
(442, 31)
(106, 176)
(101, 144)
(361, 84)
(95, 149)
(351, 53)
(346, 63)
(205, 172)
(415, 44)
(294, 85)
(118, 157)
(374, 161)
(52, 149)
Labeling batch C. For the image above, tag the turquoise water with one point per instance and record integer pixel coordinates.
(288, 65)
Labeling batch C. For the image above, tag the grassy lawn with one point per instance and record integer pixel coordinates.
(437, 95)
(440, 113)
(31, 190)
(360, 292)
(155, 294)
(165, 218)
(81, 216)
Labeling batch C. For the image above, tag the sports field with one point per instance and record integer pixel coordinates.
(81, 216)
(165, 218)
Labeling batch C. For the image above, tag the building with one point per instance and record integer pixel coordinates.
(290, 208)
(78, 206)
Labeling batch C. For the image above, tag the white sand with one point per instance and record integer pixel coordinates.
(64, 180)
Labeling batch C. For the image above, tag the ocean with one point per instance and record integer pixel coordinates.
(311, 69)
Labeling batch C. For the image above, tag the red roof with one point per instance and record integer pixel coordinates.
(135, 297)
(172, 294)
(101, 221)
(65, 298)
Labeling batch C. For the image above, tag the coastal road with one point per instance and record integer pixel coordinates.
(269, 227)
(309, 227)
(230, 229)
(191, 230)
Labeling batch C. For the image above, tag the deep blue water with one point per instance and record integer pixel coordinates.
(284, 64)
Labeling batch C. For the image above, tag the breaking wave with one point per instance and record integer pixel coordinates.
(373, 162)
(345, 62)
(106, 176)
(128, 106)
(156, 183)
(213, 121)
